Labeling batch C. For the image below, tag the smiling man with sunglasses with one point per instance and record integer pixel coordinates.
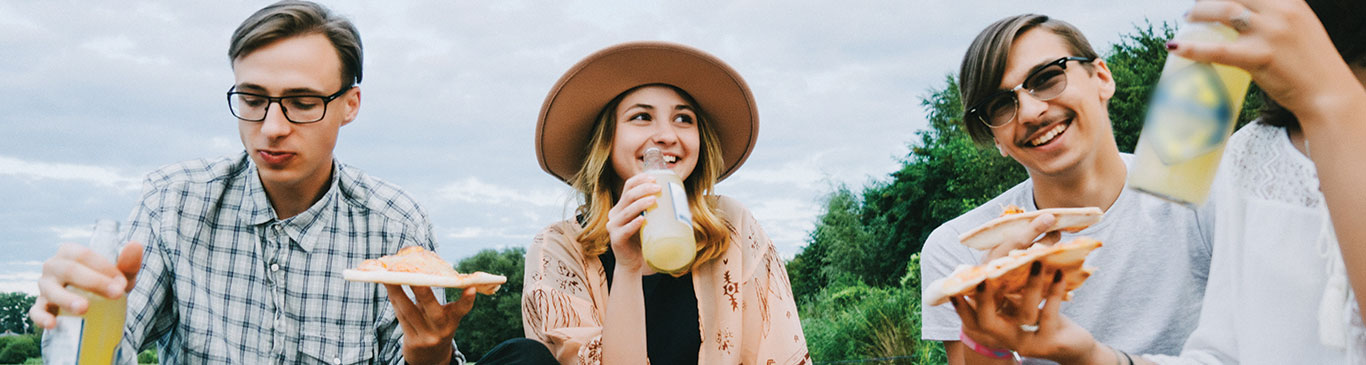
(1033, 87)
(244, 253)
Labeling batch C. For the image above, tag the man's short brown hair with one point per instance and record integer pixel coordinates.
(985, 62)
(291, 18)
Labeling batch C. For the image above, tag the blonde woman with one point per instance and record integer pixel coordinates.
(589, 295)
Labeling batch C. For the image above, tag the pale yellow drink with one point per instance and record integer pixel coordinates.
(101, 328)
(1194, 109)
(666, 239)
(92, 338)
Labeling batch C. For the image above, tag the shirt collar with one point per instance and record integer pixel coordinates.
(304, 228)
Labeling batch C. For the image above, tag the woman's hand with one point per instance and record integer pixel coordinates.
(1018, 323)
(1284, 47)
(625, 219)
(992, 320)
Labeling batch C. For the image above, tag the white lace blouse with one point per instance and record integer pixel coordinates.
(1277, 291)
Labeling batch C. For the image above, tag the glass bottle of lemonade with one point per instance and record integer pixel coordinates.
(92, 338)
(1193, 110)
(666, 239)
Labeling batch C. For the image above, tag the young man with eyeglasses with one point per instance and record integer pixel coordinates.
(244, 253)
(1034, 87)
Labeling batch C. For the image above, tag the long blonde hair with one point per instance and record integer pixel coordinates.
(596, 182)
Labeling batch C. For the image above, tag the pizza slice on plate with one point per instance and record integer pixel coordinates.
(414, 265)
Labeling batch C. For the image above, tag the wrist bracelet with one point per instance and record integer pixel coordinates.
(985, 351)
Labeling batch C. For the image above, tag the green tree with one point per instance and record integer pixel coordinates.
(14, 312)
(17, 349)
(843, 241)
(495, 318)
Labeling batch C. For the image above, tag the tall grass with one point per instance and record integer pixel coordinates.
(856, 323)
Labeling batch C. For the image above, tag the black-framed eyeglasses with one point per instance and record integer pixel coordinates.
(1045, 83)
(298, 109)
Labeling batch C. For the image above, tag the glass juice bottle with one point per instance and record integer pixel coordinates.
(93, 338)
(1193, 110)
(666, 239)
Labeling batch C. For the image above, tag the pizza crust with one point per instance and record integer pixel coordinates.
(1011, 226)
(484, 283)
(1010, 273)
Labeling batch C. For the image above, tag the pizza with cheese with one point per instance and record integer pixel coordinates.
(414, 265)
(1014, 222)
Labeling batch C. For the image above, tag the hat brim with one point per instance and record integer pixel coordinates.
(572, 107)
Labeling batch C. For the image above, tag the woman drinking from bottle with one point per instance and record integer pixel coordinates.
(595, 293)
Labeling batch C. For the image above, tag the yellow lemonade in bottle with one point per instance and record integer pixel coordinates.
(1193, 110)
(666, 239)
(101, 328)
(92, 338)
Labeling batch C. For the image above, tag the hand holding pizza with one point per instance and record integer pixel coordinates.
(1012, 300)
(428, 325)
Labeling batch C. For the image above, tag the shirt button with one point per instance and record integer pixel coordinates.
(336, 360)
(274, 267)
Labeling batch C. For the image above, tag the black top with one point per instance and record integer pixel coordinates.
(672, 332)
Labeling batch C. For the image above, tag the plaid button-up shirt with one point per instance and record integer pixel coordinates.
(224, 280)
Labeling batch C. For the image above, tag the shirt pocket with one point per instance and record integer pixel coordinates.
(323, 344)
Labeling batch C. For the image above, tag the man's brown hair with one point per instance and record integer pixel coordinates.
(291, 18)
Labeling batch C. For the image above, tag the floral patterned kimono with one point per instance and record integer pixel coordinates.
(748, 315)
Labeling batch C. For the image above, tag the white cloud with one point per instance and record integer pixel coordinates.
(26, 282)
(73, 233)
(120, 47)
(795, 171)
(474, 190)
(97, 175)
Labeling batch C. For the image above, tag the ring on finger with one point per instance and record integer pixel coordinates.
(1240, 22)
(1029, 327)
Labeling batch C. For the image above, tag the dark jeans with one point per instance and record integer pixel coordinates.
(518, 351)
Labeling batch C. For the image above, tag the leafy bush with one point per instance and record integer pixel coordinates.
(859, 322)
(148, 357)
(17, 349)
(495, 318)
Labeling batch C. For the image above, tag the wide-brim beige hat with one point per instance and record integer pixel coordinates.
(570, 110)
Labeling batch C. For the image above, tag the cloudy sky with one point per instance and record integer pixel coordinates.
(93, 96)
